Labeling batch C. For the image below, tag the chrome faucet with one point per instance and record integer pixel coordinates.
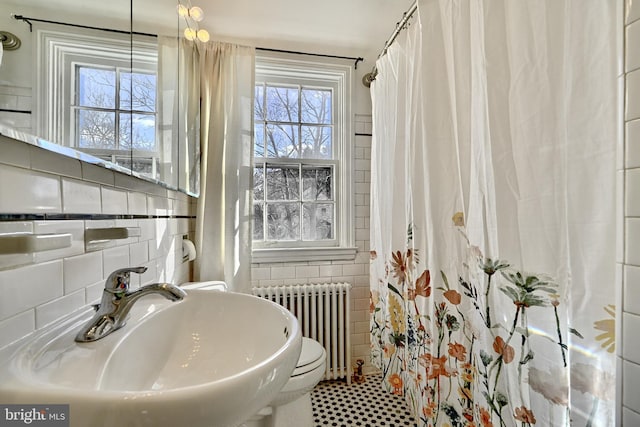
(113, 310)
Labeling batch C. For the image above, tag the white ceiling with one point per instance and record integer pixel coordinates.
(342, 27)
(346, 25)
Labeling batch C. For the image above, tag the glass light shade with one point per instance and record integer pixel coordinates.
(190, 33)
(182, 10)
(203, 36)
(196, 13)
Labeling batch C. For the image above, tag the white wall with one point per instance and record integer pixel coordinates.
(628, 348)
(48, 193)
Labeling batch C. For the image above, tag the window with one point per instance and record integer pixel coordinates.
(302, 161)
(114, 111)
(97, 100)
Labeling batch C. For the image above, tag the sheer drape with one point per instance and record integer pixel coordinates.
(492, 213)
(178, 106)
(223, 215)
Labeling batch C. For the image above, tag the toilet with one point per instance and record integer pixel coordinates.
(292, 406)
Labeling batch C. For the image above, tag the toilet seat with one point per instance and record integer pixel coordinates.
(311, 357)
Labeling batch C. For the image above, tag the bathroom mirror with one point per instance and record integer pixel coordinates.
(105, 88)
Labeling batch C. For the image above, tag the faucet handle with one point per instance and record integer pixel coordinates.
(118, 281)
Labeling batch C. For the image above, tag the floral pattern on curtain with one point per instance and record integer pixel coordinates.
(438, 359)
(493, 214)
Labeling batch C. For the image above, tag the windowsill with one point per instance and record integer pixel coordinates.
(302, 254)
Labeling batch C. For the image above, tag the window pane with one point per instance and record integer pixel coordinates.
(316, 106)
(258, 140)
(124, 131)
(258, 183)
(258, 107)
(282, 141)
(96, 87)
(318, 221)
(316, 142)
(137, 131)
(258, 221)
(283, 183)
(282, 104)
(317, 183)
(143, 166)
(138, 92)
(283, 220)
(96, 129)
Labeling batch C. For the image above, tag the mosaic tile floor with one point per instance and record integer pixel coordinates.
(337, 404)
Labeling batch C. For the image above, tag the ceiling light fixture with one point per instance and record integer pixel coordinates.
(182, 10)
(196, 14)
(203, 36)
(192, 15)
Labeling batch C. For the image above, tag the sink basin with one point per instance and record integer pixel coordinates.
(212, 359)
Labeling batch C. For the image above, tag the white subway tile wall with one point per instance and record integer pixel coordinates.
(355, 272)
(27, 191)
(632, 152)
(113, 201)
(80, 196)
(75, 228)
(55, 283)
(633, 95)
(632, 13)
(15, 98)
(620, 223)
(628, 313)
(16, 327)
(630, 418)
(632, 60)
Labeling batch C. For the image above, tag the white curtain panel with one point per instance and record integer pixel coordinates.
(178, 122)
(223, 216)
(493, 213)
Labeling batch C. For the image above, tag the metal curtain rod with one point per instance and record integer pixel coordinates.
(110, 30)
(28, 21)
(352, 58)
(369, 77)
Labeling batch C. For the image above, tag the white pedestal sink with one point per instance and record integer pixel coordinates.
(213, 359)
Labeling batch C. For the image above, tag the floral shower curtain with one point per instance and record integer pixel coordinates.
(493, 213)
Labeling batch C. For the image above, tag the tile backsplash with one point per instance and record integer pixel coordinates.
(15, 107)
(43, 192)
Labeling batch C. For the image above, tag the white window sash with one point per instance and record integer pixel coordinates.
(58, 53)
(285, 71)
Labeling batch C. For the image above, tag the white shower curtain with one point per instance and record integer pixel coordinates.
(224, 207)
(493, 213)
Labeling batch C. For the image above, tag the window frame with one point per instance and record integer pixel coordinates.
(58, 55)
(280, 70)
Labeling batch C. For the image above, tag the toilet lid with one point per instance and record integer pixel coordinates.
(312, 355)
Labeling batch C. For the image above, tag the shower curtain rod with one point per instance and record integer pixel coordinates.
(369, 77)
(111, 30)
